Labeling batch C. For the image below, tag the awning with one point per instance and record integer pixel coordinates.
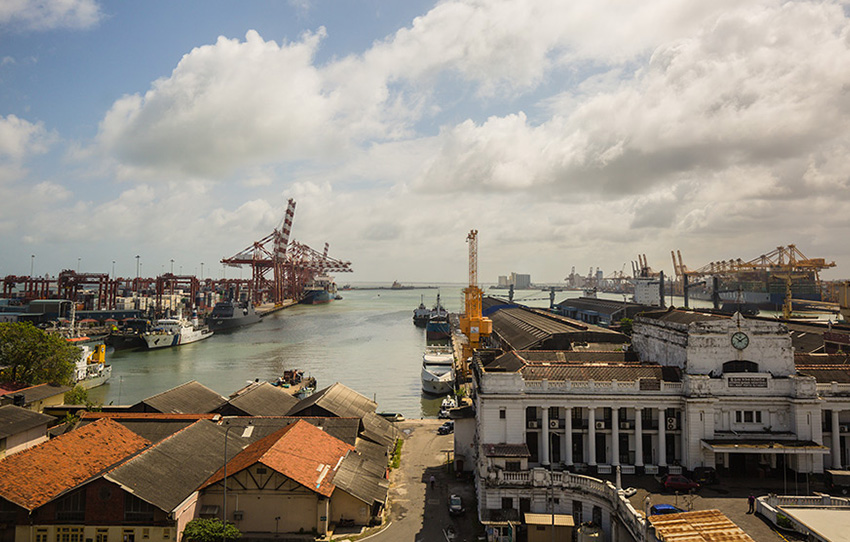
(559, 520)
(752, 446)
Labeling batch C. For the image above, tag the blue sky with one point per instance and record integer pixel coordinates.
(569, 134)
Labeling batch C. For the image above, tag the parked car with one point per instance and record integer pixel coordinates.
(455, 505)
(677, 482)
(446, 428)
(661, 509)
(705, 475)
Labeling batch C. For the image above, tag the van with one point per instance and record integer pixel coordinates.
(838, 481)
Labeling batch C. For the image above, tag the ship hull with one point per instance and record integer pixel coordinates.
(317, 297)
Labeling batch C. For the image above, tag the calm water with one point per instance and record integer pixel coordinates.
(366, 341)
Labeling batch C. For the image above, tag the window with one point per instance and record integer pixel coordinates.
(512, 466)
(102, 535)
(577, 413)
(129, 535)
(69, 534)
(502, 414)
(135, 509)
(742, 366)
(72, 507)
(166, 534)
(748, 416)
(146, 533)
(507, 503)
(261, 470)
(41, 535)
(577, 505)
(553, 413)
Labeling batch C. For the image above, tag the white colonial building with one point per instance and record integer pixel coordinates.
(697, 390)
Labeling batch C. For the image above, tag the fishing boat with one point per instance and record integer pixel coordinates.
(230, 315)
(90, 369)
(438, 370)
(169, 332)
(421, 314)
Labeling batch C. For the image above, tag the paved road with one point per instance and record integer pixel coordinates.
(419, 513)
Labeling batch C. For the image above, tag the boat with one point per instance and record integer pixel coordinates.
(438, 370)
(392, 416)
(421, 314)
(130, 335)
(90, 369)
(175, 332)
(294, 382)
(438, 327)
(447, 404)
(321, 289)
(230, 315)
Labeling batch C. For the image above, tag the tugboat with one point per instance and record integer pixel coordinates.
(230, 315)
(421, 314)
(438, 327)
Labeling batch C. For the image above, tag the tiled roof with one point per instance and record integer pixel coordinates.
(701, 526)
(805, 359)
(15, 420)
(506, 450)
(35, 476)
(191, 397)
(301, 452)
(826, 373)
(601, 372)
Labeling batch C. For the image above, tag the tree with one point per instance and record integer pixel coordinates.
(626, 326)
(209, 530)
(77, 395)
(31, 356)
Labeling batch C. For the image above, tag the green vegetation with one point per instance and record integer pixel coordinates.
(395, 460)
(626, 326)
(34, 357)
(77, 395)
(783, 521)
(209, 530)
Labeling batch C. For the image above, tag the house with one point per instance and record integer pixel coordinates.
(21, 429)
(298, 478)
(35, 398)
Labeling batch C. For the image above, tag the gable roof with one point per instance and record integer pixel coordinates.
(264, 399)
(300, 451)
(15, 420)
(185, 460)
(39, 474)
(189, 398)
(339, 400)
(356, 476)
(37, 392)
(153, 426)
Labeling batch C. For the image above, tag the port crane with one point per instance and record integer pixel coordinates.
(473, 324)
(280, 268)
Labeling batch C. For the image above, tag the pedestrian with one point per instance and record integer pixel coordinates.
(751, 500)
(433, 481)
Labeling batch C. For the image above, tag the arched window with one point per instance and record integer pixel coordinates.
(741, 366)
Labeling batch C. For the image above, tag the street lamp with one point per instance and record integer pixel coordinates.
(202, 270)
(32, 263)
(78, 264)
(113, 269)
(246, 432)
(172, 266)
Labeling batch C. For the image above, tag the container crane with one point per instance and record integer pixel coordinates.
(475, 326)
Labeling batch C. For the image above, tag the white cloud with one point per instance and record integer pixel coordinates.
(50, 14)
(19, 140)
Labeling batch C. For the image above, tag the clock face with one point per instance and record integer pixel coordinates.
(740, 340)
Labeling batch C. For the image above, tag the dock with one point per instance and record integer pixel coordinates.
(267, 308)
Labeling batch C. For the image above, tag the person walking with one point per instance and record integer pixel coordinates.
(751, 500)
(433, 481)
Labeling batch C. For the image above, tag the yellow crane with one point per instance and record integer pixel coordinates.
(475, 326)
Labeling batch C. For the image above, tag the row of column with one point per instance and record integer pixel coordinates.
(615, 436)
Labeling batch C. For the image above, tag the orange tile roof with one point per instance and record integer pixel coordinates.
(143, 416)
(299, 451)
(35, 476)
(699, 526)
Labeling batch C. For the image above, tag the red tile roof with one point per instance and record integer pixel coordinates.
(35, 476)
(300, 451)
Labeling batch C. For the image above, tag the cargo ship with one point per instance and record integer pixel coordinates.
(763, 290)
(321, 290)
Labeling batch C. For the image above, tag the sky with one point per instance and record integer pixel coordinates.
(568, 134)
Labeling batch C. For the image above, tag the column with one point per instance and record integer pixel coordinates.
(662, 437)
(544, 449)
(615, 436)
(638, 436)
(568, 436)
(591, 436)
(836, 441)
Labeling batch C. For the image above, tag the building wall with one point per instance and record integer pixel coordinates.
(24, 440)
(346, 506)
(464, 443)
(107, 533)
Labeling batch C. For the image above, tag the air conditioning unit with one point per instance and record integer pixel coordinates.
(553, 424)
(624, 425)
(600, 425)
(844, 428)
(532, 424)
(671, 424)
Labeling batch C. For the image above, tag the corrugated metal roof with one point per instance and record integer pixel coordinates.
(559, 520)
(264, 400)
(339, 400)
(38, 392)
(188, 398)
(357, 477)
(379, 429)
(601, 372)
(700, 526)
(14, 420)
(185, 460)
(826, 373)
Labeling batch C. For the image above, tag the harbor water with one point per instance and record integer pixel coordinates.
(366, 341)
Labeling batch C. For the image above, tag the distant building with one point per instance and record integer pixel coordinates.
(503, 281)
(520, 281)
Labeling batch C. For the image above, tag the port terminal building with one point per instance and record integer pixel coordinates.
(692, 390)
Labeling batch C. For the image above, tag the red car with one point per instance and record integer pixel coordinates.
(677, 482)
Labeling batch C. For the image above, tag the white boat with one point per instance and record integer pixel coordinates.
(175, 332)
(438, 374)
(90, 369)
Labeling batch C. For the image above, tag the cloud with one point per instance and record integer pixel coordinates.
(19, 140)
(49, 14)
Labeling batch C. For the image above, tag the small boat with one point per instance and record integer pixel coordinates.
(294, 382)
(175, 332)
(91, 369)
(421, 314)
(447, 404)
(392, 416)
(438, 370)
(230, 315)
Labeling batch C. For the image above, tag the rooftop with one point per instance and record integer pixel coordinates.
(188, 398)
(701, 526)
(15, 420)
